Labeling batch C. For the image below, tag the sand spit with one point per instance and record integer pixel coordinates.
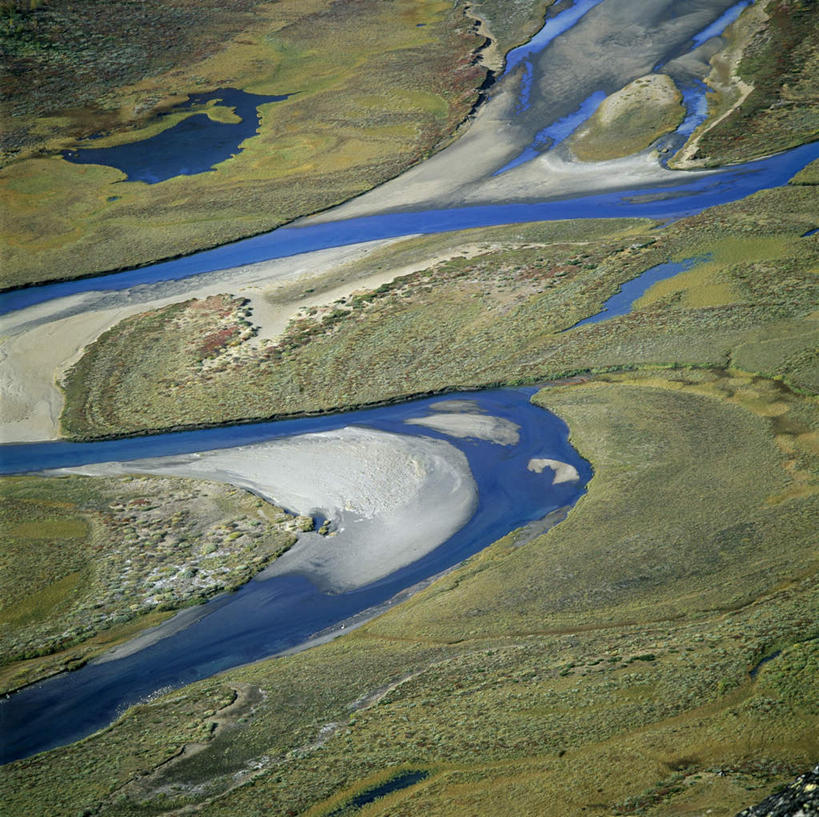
(390, 498)
(476, 426)
(41, 342)
(563, 472)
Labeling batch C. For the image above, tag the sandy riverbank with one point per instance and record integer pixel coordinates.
(390, 498)
(584, 60)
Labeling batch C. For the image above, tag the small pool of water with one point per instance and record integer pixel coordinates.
(401, 781)
(623, 300)
(194, 145)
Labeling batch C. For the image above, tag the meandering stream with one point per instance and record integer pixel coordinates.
(267, 616)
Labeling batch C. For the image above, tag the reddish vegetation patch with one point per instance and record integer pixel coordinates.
(216, 341)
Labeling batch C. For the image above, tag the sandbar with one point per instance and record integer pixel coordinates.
(390, 498)
(477, 426)
(563, 472)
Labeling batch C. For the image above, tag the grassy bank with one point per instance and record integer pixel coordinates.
(88, 562)
(364, 107)
(765, 85)
(602, 668)
(496, 316)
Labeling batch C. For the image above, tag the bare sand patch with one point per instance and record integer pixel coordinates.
(478, 426)
(390, 498)
(563, 471)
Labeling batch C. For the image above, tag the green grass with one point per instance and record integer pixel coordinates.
(630, 120)
(85, 562)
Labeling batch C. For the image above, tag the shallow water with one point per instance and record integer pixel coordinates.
(552, 135)
(268, 616)
(554, 27)
(688, 194)
(194, 145)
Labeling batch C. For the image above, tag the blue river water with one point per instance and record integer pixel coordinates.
(554, 27)
(717, 28)
(690, 193)
(622, 301)
(267, 616)
(552, 135)
(192, 146)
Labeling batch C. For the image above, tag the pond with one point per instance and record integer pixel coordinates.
(194, 145)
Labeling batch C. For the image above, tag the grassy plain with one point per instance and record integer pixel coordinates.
(498, 316)
(87, 562)
(363, 108)
(610, 666)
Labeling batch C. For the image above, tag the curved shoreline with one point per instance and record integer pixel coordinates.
(510, 496)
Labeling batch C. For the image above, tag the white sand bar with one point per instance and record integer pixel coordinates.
(391, 498)
(563, 472)
(477, 426)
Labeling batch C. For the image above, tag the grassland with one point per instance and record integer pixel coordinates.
(512, 22)
(771, 54)
(87, 562)
(499, 315)
(364, 107)
(602, 668)
(614, 665)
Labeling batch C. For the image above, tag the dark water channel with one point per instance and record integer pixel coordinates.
(268, 616)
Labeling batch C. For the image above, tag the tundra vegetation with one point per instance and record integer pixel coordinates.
(87, 562)
(359, 113)
(653, 654)
(500, 315)
(764, 84)
(612, 664)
